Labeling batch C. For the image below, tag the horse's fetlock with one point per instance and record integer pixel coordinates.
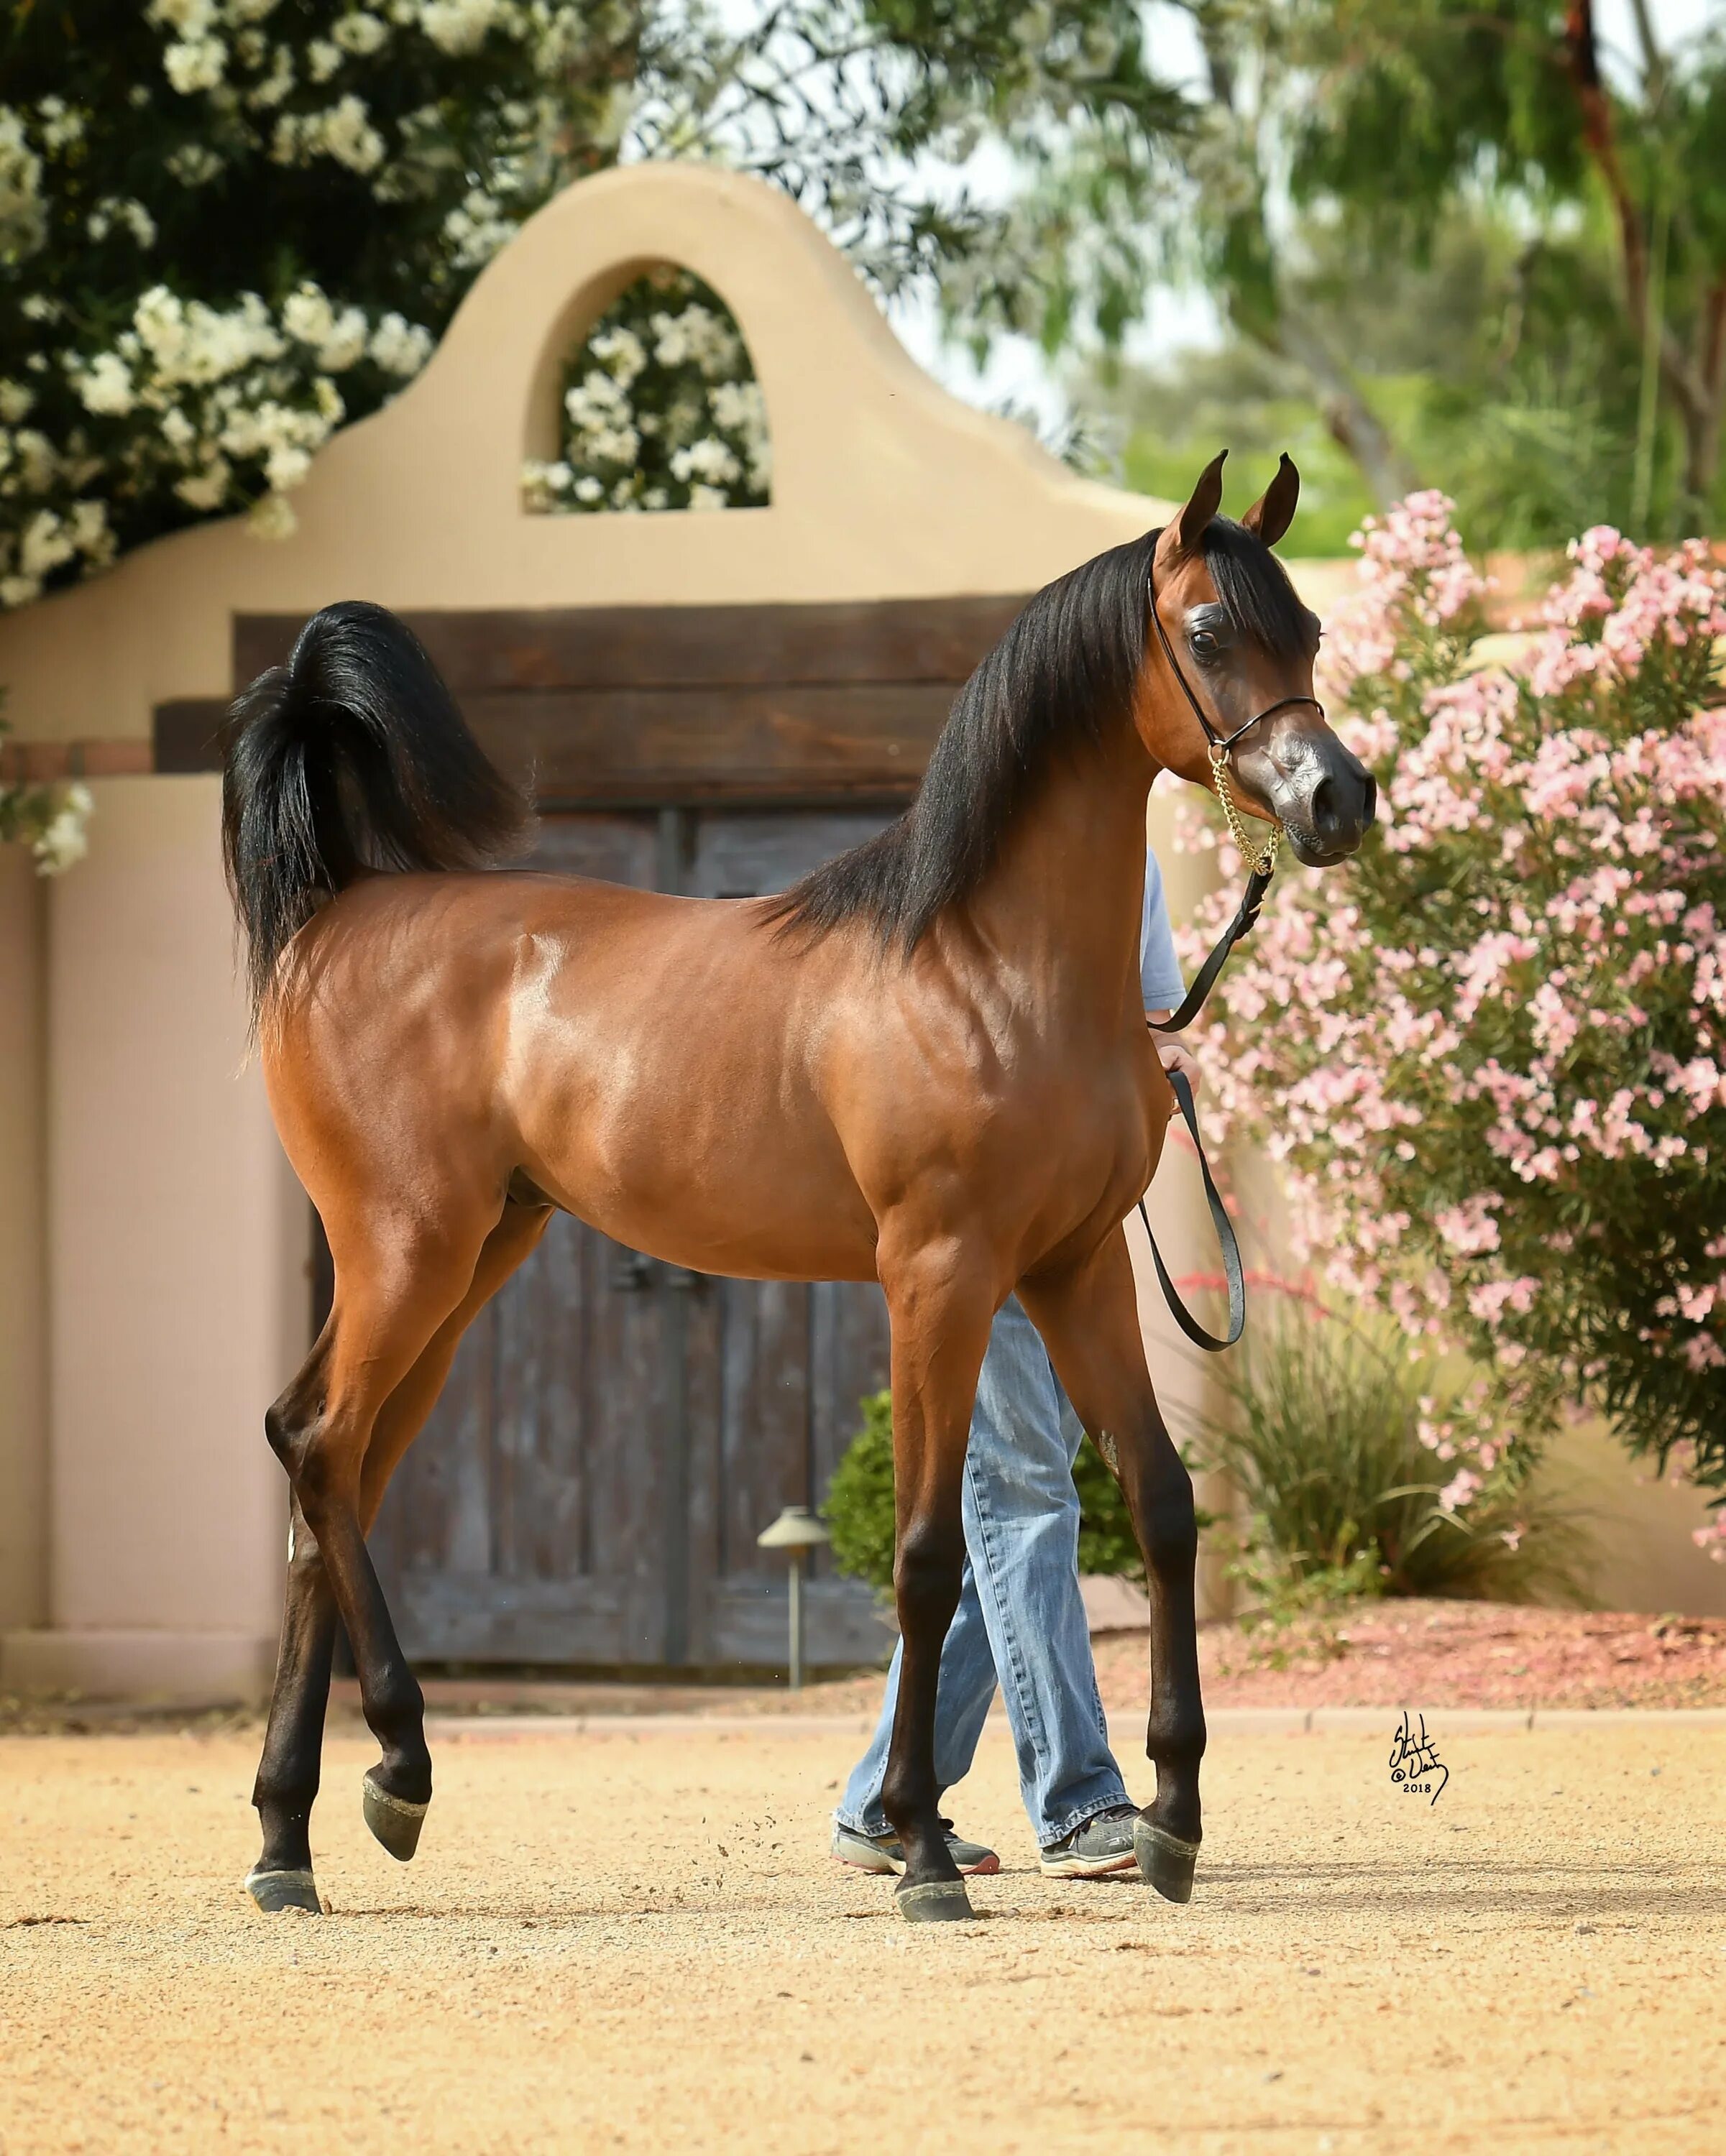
(1175, 1736)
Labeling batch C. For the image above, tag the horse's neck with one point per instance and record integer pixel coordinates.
(1062, 906)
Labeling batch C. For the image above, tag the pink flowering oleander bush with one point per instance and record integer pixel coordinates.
(1487, 1055)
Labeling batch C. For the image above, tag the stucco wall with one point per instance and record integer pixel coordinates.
(176, 1283)
(24, 1360)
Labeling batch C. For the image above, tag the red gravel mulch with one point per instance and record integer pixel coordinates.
(1446, 1653)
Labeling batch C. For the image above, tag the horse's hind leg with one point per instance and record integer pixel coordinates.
(940, 1317)
(287, 1783)
(1089, 1322)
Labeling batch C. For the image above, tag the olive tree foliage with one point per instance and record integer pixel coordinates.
(1343, 159)
(1420, 104)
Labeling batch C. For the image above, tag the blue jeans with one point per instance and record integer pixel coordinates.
(1021, 1617)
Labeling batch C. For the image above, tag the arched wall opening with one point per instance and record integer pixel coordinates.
(657, 408)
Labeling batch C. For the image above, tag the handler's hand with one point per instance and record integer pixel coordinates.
(1174, 1056)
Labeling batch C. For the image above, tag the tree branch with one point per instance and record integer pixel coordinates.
(1352, 423)
(1595, 108)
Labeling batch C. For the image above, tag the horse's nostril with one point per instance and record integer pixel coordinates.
(1370, 808)
(1322, 807)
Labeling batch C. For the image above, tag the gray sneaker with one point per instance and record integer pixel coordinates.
(1098, 1849)
(881, 1852)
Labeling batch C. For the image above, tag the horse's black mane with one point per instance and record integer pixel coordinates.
(1059, 678)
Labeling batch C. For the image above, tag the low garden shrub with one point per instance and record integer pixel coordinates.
(1328, 1438)
(859, 1510)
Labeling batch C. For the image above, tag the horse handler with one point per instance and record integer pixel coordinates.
(1020, 1621)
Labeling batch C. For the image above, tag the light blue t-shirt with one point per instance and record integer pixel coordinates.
(1159, 969)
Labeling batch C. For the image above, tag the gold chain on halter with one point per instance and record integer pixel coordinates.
(1260, 860)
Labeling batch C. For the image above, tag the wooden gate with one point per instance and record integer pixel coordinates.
(616, 1432)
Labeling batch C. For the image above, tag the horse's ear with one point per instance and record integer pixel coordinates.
(1273, 512)
(1205, 501)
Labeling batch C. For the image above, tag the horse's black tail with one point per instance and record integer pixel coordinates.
(352, 756)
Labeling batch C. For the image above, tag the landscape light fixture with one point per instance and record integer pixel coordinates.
(797, 1532)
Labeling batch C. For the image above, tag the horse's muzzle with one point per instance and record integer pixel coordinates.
(1327, 804)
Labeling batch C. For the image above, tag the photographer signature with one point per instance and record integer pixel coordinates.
(1415, 1761)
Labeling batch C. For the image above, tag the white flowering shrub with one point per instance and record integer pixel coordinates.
(226, 226)
(49, 821)
(661, 409)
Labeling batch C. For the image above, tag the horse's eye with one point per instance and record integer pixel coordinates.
(1205, 644)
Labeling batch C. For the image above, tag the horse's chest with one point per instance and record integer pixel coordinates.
(1093, 1145)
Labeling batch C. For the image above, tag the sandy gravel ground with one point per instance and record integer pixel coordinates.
(637, 1941)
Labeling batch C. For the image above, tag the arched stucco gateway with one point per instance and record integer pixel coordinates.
(155, 1272)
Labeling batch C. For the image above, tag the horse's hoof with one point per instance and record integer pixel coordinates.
(1165, 1862)
(941, 1902)
(394, 1820)
(275, 1891)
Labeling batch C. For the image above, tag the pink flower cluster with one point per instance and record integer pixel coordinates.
(1490, 1056)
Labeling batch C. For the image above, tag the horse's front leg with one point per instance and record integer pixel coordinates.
(1088, 1317)
(940, 1310)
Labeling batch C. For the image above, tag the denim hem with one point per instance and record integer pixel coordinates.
(1087, 1812)
(868, 1832)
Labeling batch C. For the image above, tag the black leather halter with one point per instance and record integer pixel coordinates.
(1245, 919)
(1221, 744)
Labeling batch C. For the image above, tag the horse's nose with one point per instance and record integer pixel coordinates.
(1343, 804)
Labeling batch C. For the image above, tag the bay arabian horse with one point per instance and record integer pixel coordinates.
(926, 1065)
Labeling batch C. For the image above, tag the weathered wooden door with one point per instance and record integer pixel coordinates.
(616, 1432)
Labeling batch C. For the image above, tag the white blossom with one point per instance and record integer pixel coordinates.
(350, 137)
(360, 33)
(46, 542)
(61, 127)
(22, 225)
(458, 25)
(707, 460)
(206, 489)
(344, 132)
(105, 386)
(399, 347)
(621, 351)
(192, 18)
(476, 229)
(63, 840)
(195, 66)
(273, 518)
(113, 210)
(15, 400)
(339, 339)
(264, 96)
(193, 164)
